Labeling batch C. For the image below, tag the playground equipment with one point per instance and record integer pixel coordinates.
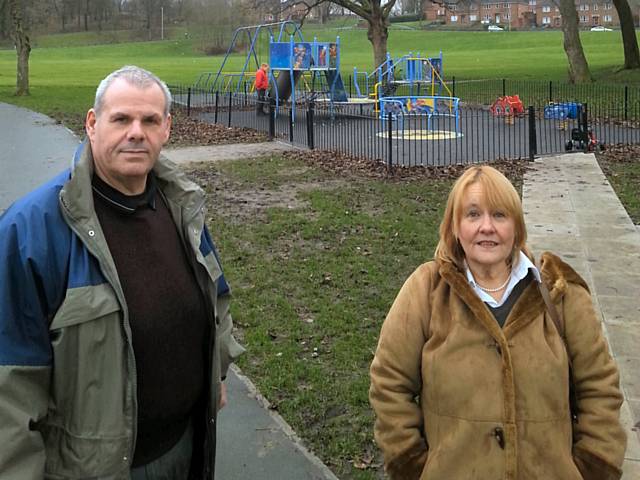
(408, 75)
(562, 111)
(509, 105)
(432, 107)
(293, 58)
(290, 57)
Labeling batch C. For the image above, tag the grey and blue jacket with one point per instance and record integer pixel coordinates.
(67, 368)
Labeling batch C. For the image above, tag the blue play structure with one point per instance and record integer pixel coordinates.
(562, 111)
(289, 58)
(293, 58)
(433, 107)
(414, 73)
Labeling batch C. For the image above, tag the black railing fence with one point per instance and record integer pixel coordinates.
(469, 134)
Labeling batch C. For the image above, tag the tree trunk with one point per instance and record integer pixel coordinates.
(629, 39)
(23, 49)
(377, 34)
(578, 66)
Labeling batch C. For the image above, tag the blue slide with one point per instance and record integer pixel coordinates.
(339, 93)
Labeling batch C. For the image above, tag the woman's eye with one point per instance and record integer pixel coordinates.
(499, 215)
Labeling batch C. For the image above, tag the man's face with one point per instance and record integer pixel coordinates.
(127, 135)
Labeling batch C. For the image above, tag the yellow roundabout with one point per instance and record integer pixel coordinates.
(421, 135)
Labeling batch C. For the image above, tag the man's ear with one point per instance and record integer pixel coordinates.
(90, 123)
(167, 128)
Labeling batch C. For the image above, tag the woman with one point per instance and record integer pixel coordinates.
(471, 376)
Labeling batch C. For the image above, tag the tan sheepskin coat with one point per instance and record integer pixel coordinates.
(457, 397)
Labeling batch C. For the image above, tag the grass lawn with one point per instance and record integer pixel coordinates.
(315, 261)
(64, 72)
(621, 165)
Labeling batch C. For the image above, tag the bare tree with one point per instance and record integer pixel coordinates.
(629, 39)
(578, 66)
(374, 12)
(23, 49)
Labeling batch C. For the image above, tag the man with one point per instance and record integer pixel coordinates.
(261, 85)
(115, 332)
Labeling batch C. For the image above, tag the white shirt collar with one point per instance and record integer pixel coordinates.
(518, 272)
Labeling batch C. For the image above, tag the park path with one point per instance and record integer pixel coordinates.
(253, 441)
(571, 209)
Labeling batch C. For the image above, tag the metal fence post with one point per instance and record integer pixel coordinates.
(310, 139)
(272, 121)
(626, 101)
(291, 124)
(533, 141)
(504, 87)
(215, 114)
(189, 102)
(550, 91)
(229, 117)
(453, 86)
(585, 126)
(389, 134)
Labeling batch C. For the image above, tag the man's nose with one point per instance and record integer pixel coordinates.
(136, 132)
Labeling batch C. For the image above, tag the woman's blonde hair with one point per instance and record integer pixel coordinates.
(499, 194)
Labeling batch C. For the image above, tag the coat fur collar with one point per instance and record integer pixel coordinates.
(554, 272)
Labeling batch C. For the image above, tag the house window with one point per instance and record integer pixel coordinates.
(473, 18)
(532, 3)
(454, 18)
(594, 6)
(546, 8)
(453, 8)
(608, 6)
(584, 19)
(486, 18)
(440, 11)
(607, 18)
(473, 7)
(546, 20)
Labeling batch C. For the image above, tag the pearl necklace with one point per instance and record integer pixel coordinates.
(497, 289)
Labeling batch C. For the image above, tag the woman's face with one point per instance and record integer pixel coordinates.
(487, 236)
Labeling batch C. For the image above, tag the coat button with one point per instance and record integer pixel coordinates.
(498, 433)
(212, 420)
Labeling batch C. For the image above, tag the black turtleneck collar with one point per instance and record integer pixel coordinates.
(126, 203)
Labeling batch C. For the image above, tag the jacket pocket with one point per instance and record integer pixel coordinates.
(85, 304)
(90, 414)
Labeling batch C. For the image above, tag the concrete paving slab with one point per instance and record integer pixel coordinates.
(620, 310)
(603, 245)
(629, 368)
(625, 339)
(619, 284)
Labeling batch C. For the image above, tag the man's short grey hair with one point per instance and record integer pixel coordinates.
(136, 76)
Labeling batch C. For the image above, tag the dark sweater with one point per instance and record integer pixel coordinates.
(167, 313)
(502, 312)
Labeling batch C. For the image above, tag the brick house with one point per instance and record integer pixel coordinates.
(519, 13)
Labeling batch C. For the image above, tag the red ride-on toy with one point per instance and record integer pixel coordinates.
(509, 105)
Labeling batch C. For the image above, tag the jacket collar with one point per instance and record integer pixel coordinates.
(554, 272)
(77, 195)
